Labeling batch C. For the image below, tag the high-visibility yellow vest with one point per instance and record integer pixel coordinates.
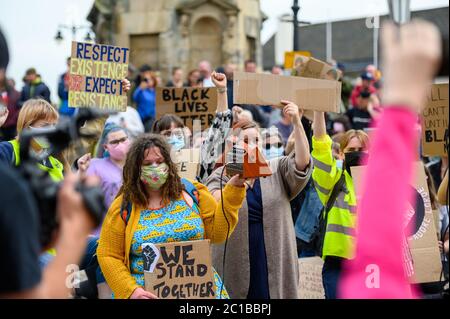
(339, 238)
(55, 169)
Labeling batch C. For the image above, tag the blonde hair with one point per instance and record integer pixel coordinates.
(360, 135)
(35, 110)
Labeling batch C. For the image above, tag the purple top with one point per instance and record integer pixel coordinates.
(110, 175)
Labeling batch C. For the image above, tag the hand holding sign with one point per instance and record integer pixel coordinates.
(126, 85)
(140, 293)
(411, 58)
(293, 112)
(236, 181)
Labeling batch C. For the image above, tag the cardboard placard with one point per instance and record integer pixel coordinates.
(310, 278)
(268, 89)
(188, 103)
(188, 162)
(423, 243)
(96, 73)
(309, 67)
(289, 58)
(435, 136)
(183, 270)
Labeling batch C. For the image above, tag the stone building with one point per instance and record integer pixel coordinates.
(170, 33)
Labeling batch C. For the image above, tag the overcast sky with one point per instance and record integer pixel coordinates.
(30, 27)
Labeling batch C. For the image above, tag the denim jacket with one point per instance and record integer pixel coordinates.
(308, 218)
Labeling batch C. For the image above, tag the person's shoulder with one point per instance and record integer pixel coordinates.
(6, 151)
(11, 180)
(96, 162)
(350, 112)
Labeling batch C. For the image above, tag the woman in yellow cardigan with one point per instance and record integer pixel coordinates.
(161, 211)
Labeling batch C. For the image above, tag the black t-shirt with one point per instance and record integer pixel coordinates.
(359, 119)
(19, 234)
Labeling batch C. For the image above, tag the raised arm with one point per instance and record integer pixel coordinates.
(411, 57)
(211, 147)
(302, 156)
(220, 220)
(319, 126)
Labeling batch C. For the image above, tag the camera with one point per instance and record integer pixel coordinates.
(43, 188)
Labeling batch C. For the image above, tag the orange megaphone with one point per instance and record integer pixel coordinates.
(246, 161)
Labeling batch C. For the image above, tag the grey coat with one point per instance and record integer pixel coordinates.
(279, 235)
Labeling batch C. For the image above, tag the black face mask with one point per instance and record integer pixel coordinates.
(354, 159)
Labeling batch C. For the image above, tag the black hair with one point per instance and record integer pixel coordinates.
(145, 68)
(4, 54)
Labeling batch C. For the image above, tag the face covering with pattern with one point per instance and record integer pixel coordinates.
(154, 176)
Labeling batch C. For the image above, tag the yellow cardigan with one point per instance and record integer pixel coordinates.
(115, 238)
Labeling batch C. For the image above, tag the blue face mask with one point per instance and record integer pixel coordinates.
(273, 152)
(339, 164)
(177, 142)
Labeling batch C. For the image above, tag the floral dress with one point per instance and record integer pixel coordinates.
(172, 223)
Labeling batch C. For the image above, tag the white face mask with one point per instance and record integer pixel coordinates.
(339, 164)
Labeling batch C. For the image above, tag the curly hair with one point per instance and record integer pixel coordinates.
(133, 189)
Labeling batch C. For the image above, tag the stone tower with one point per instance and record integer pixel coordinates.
(170, 33)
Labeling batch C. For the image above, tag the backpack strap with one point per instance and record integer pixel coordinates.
(334, 193)
(125, 211)
(191, 190)
(323, 220)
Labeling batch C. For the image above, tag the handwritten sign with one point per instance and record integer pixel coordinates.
(435, 136)
(183, 270)
(422, 259)
(187, 161)
(310, 283)
(190, 104)
(96, 73)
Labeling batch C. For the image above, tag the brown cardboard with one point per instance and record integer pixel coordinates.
(188, 103)
(314, 68)
(310, 278)
(290, 57)
(437, 219)
(188, 162)
(268, 89)
(435, 122)
(423, 244)
(96, 73)
(191, 268)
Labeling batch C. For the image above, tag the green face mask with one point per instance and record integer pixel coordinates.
(154, 176)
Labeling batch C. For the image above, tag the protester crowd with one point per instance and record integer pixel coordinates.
(267, 223)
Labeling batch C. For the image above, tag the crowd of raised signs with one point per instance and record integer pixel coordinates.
(258, 227)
